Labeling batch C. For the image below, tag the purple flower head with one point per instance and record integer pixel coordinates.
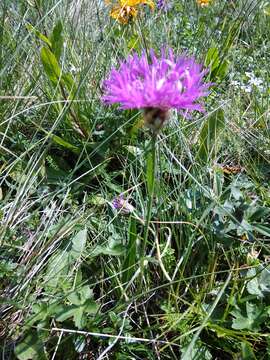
(158, 83)
(164, 5)
(119, 203)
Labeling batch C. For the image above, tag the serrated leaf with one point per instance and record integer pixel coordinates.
(251, 318)
(82, 303)
(78, 297)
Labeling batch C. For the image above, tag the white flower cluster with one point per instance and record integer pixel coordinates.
(251, 83)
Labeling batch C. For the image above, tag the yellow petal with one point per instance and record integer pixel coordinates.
(129, 2)
(137, 2)
(123, 14)
(117, 15)
(133, 12)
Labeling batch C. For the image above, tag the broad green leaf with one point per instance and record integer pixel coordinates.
(134, 42)
(253, 285)
(222, 70)
(82, 304)
(69, 83)
(57, 269)
(251, 318)
(60, 141)
(78, 297)
(113, 248)
(264, 280)
(50, 64)
(56, 40)
(247, 352)
(212, 58)
(78, 244)
(31, 347)
(65, 312)
(209, 134)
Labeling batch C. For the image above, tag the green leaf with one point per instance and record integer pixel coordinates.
(198, 352)
(262, 229)
(222, 70)
(212, 58)
(266, 10)
(78, 244)
(210, 131)
(78, 297)
(56, 40)
(82, 303)
(58, 140)
(247, 352)
(57, 269)
(114, 248)
(251, 319)
(50, 65)
(39, 34)
(69, 82)
(65, 312)
(253, 285)
(31, 347)
(217, 64)
(264, 280)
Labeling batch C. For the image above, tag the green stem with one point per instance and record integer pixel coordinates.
(150, 177)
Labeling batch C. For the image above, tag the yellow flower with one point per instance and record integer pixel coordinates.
(125, 10)
(203, 2)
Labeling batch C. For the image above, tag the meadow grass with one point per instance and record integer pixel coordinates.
(182, 276)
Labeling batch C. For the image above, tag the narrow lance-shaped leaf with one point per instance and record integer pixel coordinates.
(56, 40)
(38, 34)
(209, 134)
(50, 65)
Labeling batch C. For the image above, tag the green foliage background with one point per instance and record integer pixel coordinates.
(71, 275)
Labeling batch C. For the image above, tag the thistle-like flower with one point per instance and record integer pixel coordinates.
(157, 85)
(122, 205)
